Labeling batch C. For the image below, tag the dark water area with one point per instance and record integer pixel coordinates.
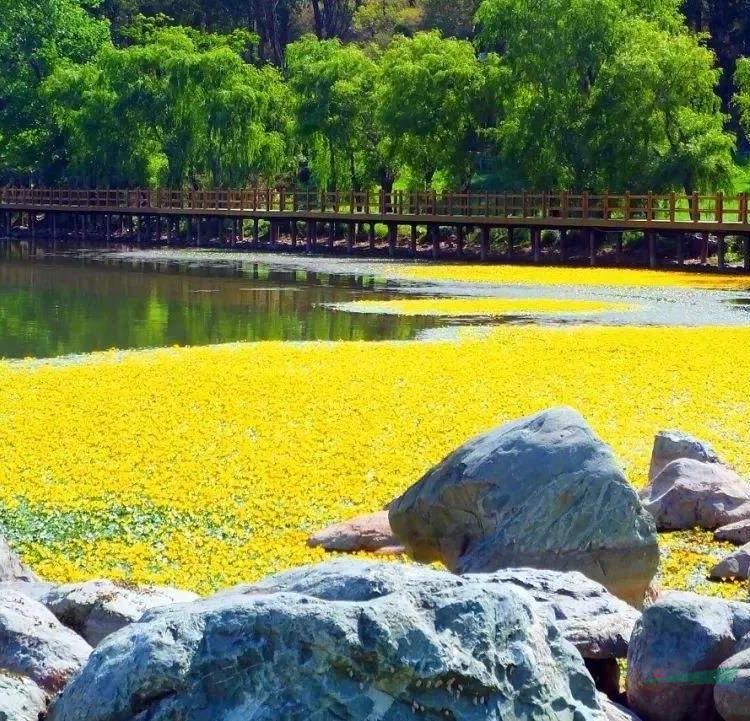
(52, 305)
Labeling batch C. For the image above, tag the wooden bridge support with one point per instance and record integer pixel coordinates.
(618, 248)
(413, 241)
(435, 233)
(511, 242)
(564, 245)
(704, 249)
(311, 232)
(351, 237)
(746, 252)
(680, 250)
(331, 234)
(484, 250)
(651, 249)
(536, 244)
(592, 247)
(371, 236)
(256, 233)
(461, 240)
(721, 251)
(392, 239)
(293, 232)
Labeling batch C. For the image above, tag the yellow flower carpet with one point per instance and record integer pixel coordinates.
(204, 467)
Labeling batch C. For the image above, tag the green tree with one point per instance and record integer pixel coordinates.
(453, 18)
(333, 85)
(429, 99)
(182, 109)
(605, 94)
(379, 20)
(36, 36)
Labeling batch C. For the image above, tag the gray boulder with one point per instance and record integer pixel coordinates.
(11, 566)
(614, 711)
(736, 565)
(690, 493)
(438, 647)
(597, 623)
(37, 590)
(737, 532)
(363, 533)
(675, 652)
(96, 609)
(732, 688)
(543, 492)
(672, 445)
(20, 698)
(34, 644)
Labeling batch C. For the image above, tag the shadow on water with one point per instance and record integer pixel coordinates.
(56, 305)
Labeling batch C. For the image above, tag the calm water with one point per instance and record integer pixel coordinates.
(57, 305)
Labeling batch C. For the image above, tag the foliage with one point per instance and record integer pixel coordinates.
(627, 77)
(36, 36)
(428, 100)
(180, 109)
(332, 85)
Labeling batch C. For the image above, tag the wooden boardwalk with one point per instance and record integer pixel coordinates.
(672, 216)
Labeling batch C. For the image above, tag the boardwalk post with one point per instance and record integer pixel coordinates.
(350, 238)
(651, 249)
(435, 232)
(536, 244)
(310, 233)
(461, 240)
(371, 238)
(331, 234)
(511, 242)
(54, 229)
(680, 250)
(414, 238)
(592, 247)
(108, 227)
(293, 232)
(618, 248)
(256, 233)
(392, 239)
(485, 248)
(564, 245)
(721, 250)
(704, 249)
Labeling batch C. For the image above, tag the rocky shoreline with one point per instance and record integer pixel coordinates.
(550, 556)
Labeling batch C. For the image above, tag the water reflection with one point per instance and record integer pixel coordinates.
(56, 305)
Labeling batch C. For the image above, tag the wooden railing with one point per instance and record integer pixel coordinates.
(554, 206)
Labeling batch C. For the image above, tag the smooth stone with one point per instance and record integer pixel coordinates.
(675, 650)
(544, 492)
(37, 590)
(20, 698)
(672, 445)
(735, 565)
(732, 688)
(34, 644)
(96, 609)
(363, 533)
(737, 532)
(12, 568)
(689, 494)
(437, 647)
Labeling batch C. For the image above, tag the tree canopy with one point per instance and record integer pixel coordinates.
(579, 94)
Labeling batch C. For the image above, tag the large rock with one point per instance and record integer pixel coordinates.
(363, 533)
(675, 653)
(11, 566)
(20, 698)
(34, 644)
(616, 712)
(96, 609)
(672, 445)
(438, 647)
(542, 491)
(690, 493)
(735, 565)
(737, 532)
(732, 688)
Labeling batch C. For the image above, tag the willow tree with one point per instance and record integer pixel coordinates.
(36, 37)
(181, 109)
(332, 85)
(605, 94)
(428, 103)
